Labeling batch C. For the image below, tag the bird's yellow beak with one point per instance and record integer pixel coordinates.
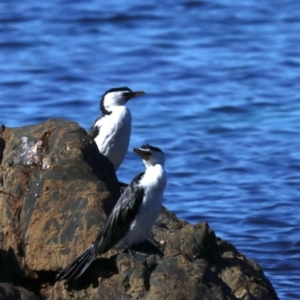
(141, 153)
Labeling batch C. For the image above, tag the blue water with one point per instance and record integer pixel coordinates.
(223, 102)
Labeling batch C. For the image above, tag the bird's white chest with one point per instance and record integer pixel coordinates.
(153, 182)
(114, 134)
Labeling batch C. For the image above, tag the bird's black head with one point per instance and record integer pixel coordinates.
(149, 148)
(151, 155)
(116, 97)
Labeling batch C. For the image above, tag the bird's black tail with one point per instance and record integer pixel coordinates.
(76, 268)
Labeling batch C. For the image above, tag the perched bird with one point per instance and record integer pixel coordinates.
(111, 131)
(133, 215)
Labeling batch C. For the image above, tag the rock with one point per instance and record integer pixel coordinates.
(56, 191)
(8, 291)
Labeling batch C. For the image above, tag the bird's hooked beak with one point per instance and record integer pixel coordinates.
(134, 94)
(143, 154)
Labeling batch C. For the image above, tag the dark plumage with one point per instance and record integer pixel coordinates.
(150, 148)
(115, 229)
(94, 130)
(132, 217)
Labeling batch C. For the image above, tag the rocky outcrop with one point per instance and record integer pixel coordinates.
(56, 192)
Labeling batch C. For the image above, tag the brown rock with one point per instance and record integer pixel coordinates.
(56, 191)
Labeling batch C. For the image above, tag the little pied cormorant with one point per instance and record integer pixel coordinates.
(133, 215)
(111, 131)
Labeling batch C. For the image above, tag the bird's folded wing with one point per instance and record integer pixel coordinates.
(122, 216)
(115, 229)
(78, 266)
(95, 128)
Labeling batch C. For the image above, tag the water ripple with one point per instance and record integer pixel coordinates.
(222, 101)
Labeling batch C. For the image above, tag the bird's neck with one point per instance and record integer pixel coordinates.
(120, 114)
(116, 108)
(154, 177)
(104, 110)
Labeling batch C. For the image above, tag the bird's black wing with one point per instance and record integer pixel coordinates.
(115, 229)
(121, 216)
(76, 268)
(94, 129)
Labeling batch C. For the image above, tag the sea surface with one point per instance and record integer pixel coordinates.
(222, 100)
